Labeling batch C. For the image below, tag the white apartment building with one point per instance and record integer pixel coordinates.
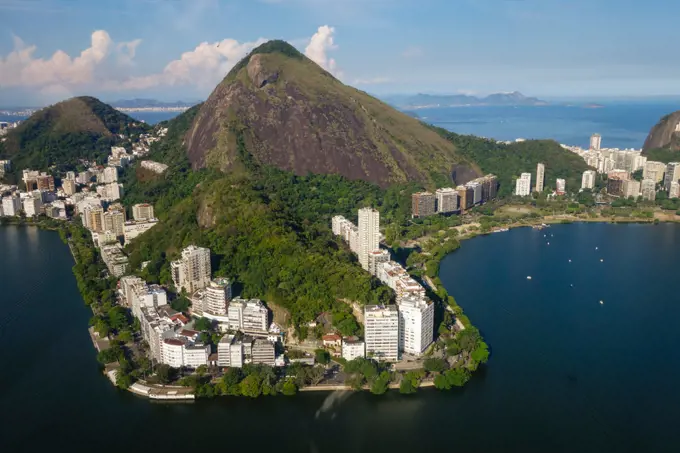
(110, 192)
(540, 177)
(126, 286)
(338, 225)
(416, 324)
(674, 190)
(133, 229)
(263, 351)
(115, 259)
(353, 348)
(229, 352)
(654, 170)
(354, 239)
(11, 205)
(588, 179)
(648, 189)
(381, 329)
(145, 296)
(376, 258)
(108, 175)
(248, 315)
(142, 211)
(672, 174)
(369, 234)
(32, 206)
(217, 296)
(560, 186)
(68, 186)
(595, 142)
(179, 352)
(192, 271)
(523, 185)
(631, 188)
(447, 200)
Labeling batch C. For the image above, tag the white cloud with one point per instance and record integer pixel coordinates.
(107, 65)
(203, 67)
(319, 45)
(412, 52)
(372, 81)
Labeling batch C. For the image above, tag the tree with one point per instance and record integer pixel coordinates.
(406, 387)
(435, 365)
(164, 373)
(125, 336)
(289, 388)
(481, 353)
(230, 382)
(457, 377)
(441, 382)
(381, 383)
(322, 356)
(316, 375)
(181, 303)
(203, 324)
(251, 386)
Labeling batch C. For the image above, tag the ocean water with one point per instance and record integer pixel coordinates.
(621, 124)
(566, 373)
(148, 117)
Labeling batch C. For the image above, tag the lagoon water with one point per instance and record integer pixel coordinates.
(566, 372)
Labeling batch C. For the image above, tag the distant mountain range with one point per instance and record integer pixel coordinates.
(150, 103)
(421, 100)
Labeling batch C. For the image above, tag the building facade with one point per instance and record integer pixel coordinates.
(523, 185)
(142, 212)
(423, 204)
(648, 189)
(369, 234)
(672, 174)
(540, 177)
(447, 200)
(248, 315)
(560, 186)
(353, 348)
(595, 142)
(588, 179)
(654, 170)
(416, 324)
(631, 188)
(381, 327)
(192, 271)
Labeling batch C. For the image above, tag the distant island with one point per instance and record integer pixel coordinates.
(420, 100)
(137, 105)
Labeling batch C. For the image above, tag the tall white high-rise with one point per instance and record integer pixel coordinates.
(588, 179)
(523, 185)
(381, 327)
(540, 177)
(595, 142)
(654, 170)
(672, 174)
(416, 324)
(192, 271)
(217, 296)
(369, 234)
(648, 189)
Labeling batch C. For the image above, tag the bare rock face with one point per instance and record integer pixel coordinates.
(258, 74)
(284, 110)
(664, 134)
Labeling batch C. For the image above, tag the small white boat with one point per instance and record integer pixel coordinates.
(595, 248)
(601, 302)
(601, 261)
(548, 243)
(570, 261)
(528, 277)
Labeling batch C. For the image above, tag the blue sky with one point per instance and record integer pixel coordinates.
(167, 49)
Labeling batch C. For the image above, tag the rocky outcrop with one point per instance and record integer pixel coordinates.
(286, 111)
(664, 134)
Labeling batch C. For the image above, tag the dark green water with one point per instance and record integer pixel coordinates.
(567, 374)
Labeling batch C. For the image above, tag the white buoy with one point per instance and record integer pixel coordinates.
(570, 261)
(601, 302)
(528, 277)
(595, 248)
(548, 243)
(601, 261)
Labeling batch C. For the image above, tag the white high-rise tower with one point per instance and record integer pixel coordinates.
(595, 142)
(540, 177)
(369, 234)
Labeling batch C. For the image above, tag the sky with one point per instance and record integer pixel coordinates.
(168, 49)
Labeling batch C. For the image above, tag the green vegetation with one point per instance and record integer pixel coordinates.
(60, 135)
(509, 161)
(664, 155)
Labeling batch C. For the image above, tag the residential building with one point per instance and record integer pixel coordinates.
(110, 192)
(560, 186)
(133, 229)
(93, 218)
(423, 204)
(84, 177)
(155, 167)
(142, 295)
(248, 315)
(375, 259)
(540, 177)
(354, 239)
(523, 185)
(11, 205)
(115, 259)
(104, 238)
(489, 187)
(332, 340)
(126, 286)
(674, 191)
(381, 327)
(476, 188)
(217, 296)
(108, 175)
(32, 206)
(180, 352)
(353, 348)
(648, 189)
(620, 174)
(340, 226)
(142, 211)
(263, 351)
(672, 174)
(36, 180)
(447, 200)
(631, 188)
(68, 186)
(595, 142)
(224, 350)
(71, 175)
(416, 324)
(369, 234)
(615, 186)
(192, 271)
(654, 171)
(588, 179)
(114, 220)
